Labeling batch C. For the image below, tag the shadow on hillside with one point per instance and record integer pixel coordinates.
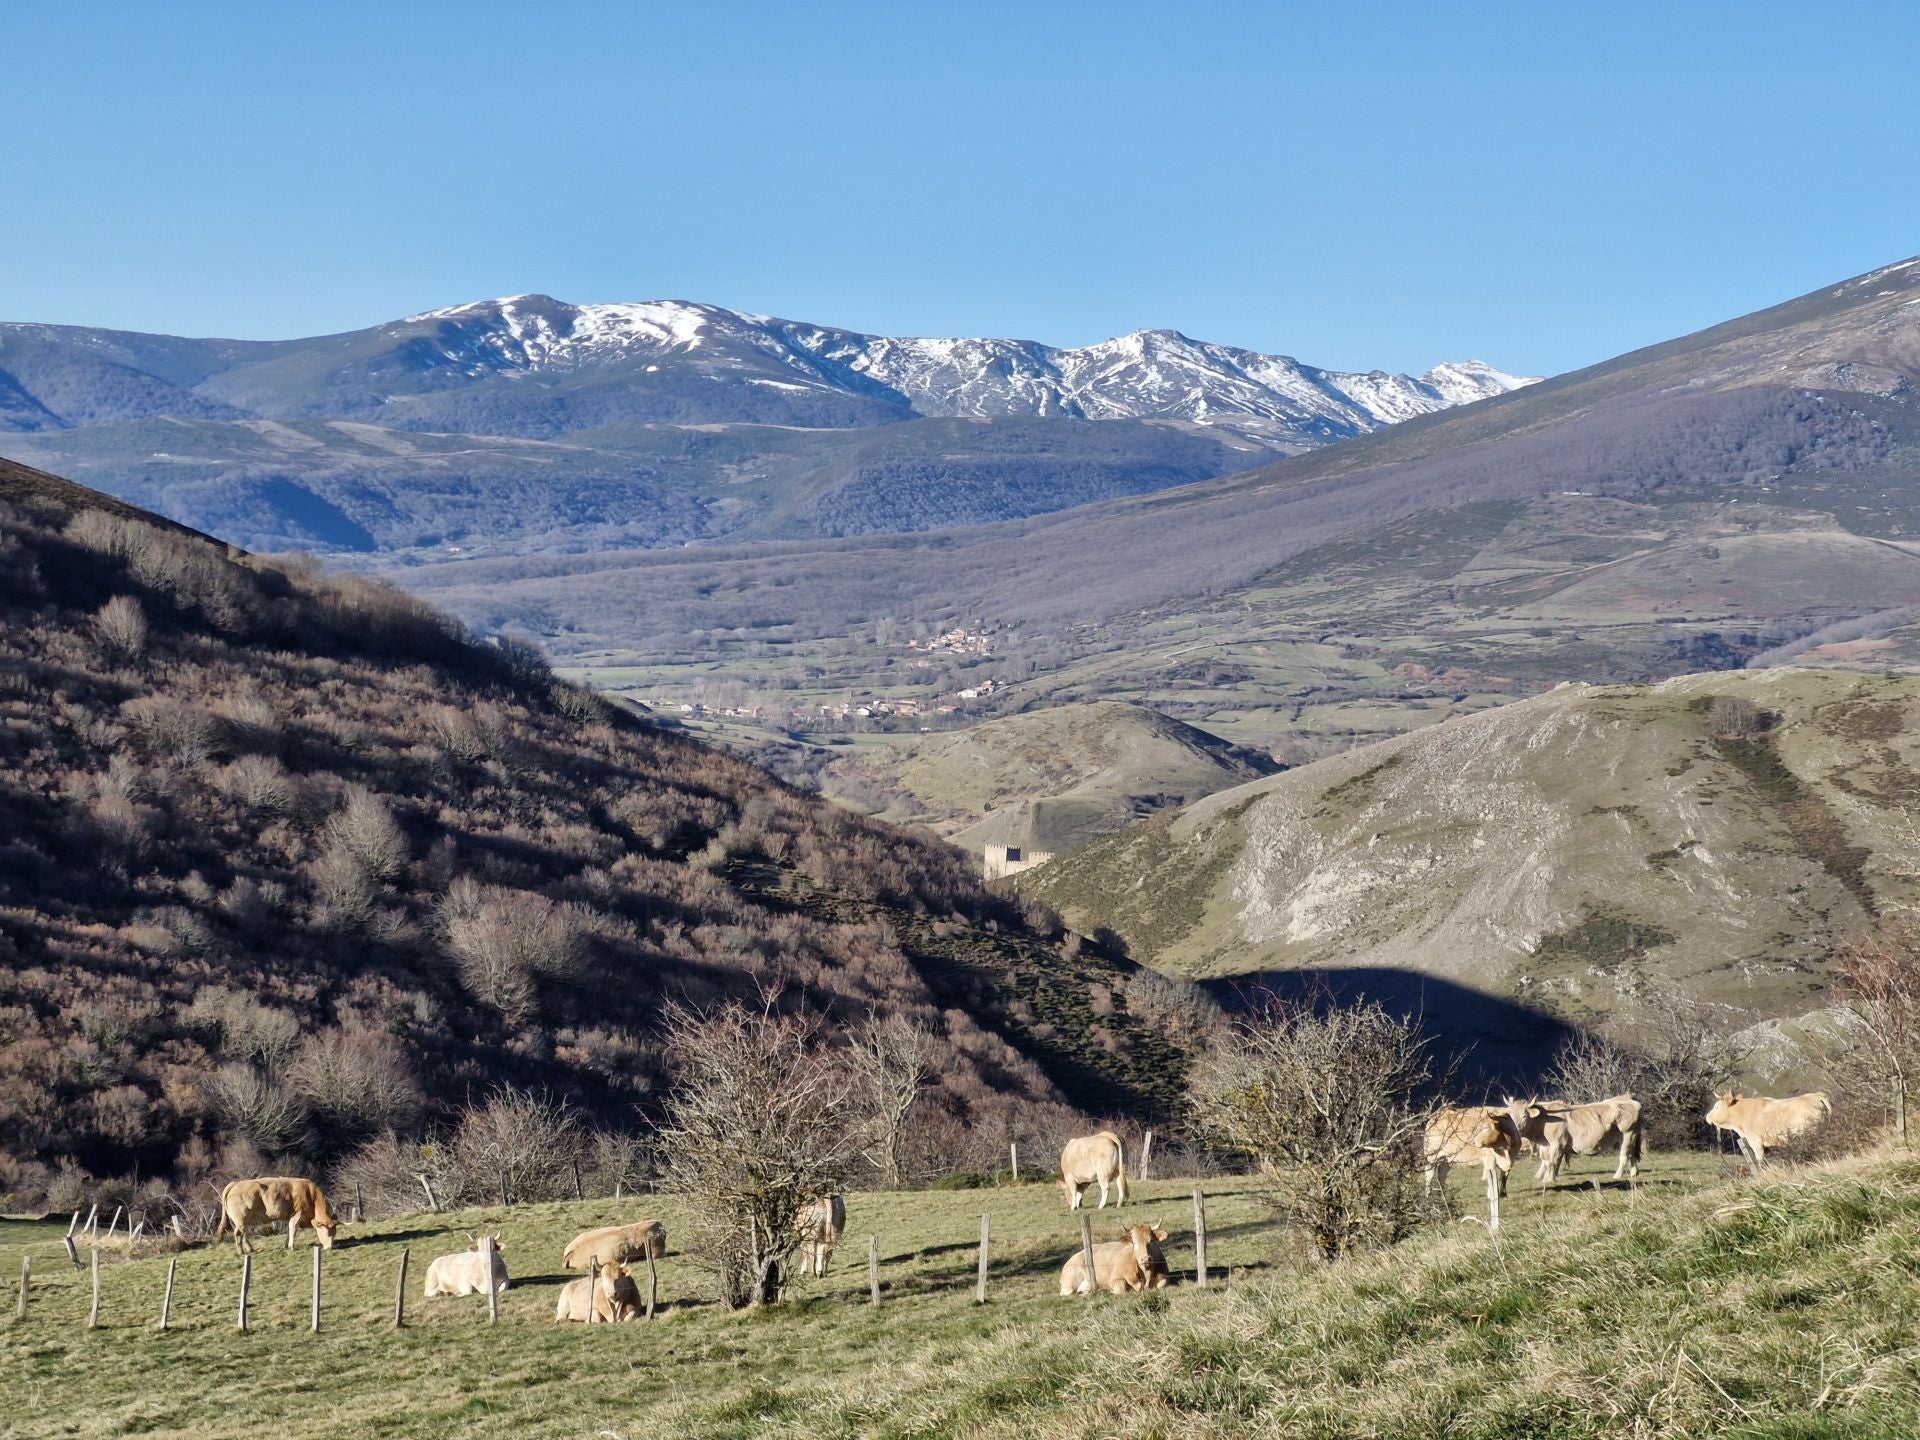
(1490, 1041)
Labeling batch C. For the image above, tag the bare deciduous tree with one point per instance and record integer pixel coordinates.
(1880, 992)
(528, 1142)
(892, 1059)
(1324, 1099)
(762, 1123)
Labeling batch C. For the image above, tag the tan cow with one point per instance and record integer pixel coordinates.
(1559, 1128)
(820, 1225)
(464, 1271)
(1761, 1124)
(1120, 1267)
(1094, 1159)
(615, 1297)
(1482, 1135)
(256, 1204)
(612, 1244)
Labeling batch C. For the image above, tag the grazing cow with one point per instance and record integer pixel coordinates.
(820, 1225)
(464, 1272)
(1478, 1134)
(615, 1297)
(1133, 1262)
(1559, 1128)
(1094, 1159)
(612, 1244)
(256, 1204)
(1760, 1123)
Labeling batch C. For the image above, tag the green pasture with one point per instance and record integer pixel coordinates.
(1691, 1304)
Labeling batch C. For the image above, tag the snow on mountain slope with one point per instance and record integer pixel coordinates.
(1149, 374)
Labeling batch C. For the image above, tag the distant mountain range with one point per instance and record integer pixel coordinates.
(529, 424)
(1681, 508)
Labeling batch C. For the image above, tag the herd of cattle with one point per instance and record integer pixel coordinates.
(1491, 1136)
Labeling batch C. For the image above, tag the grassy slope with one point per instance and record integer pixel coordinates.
(1699, 1304)
(1491, 850)
(1112, 763)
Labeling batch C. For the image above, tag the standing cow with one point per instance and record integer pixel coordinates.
(464, 1272)
(820, 1225)
(1092, 1159)
(1480, 1135)
(275, 1200)
(1120, 1267)
(1761, 1124)
(1559, 1128)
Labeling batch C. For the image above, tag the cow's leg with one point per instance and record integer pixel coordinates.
(1626, 1140)
(293, 1229)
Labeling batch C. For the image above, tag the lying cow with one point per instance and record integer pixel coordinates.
(1120, 1267)
(616, 1244)
(1761, 1124)
(1094, 1159)
(464, 1272)
(615, 1297)
(1559, 1128)
(276, 1200)
(1482, 1135)
(820, 1225)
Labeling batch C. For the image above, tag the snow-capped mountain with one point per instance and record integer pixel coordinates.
(1149, 374)
(505, 426)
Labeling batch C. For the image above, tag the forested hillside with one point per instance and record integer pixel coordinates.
(290, 860)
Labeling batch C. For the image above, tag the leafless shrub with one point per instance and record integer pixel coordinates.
(355, 1082)
(261, 783)
(120, 626)
(385, 1174)
(258, 1108)
(504, 938)
(182, 732)
(1324, 1100)
(893, 1061)
(1731, 717)
(345, 891)
(245, 1030)
(1879, 989)
(365, 829)
(529, 1141)
(761, 1123)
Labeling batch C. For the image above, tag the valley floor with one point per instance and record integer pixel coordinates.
(1698, 1304)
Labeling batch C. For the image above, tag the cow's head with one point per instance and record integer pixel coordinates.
(324, 1229)
(1145, 1239)
(1722, 1109)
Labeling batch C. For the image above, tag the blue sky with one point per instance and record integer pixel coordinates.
(1539, 185)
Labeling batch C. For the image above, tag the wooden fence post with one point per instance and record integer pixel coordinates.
(166, 1296)
(400, 1293)
(579, 1191)
(980, 1290)
(359, 1204)
(93, 1220)
(316, 1289)
(26, 1268)
(246, 1281)
(432, 1203)
(1199, 1238)
(653, 1283)
(73, 1254)
(1013, 1156)
(93, 1315)
(114, 1224)
(505, 1199)
(1086, 1254)
(1146, 1155)
(487, 1263)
